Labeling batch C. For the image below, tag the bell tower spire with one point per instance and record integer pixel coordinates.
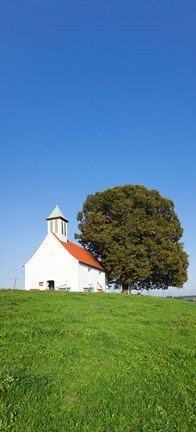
(57, 223)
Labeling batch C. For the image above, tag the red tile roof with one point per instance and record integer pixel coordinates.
(81, 254)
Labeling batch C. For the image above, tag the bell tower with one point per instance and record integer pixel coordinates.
(57, 224)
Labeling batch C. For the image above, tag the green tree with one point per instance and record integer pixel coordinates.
(136, 234)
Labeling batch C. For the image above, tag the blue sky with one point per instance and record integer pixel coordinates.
(93, 95)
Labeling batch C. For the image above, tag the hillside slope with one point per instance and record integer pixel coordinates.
(95, 363)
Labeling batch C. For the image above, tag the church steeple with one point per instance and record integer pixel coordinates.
(58, 224)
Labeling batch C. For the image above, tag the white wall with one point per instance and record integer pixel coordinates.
(51, 261)
(83, 276)
(89, 276)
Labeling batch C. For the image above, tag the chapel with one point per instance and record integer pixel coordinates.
(59, 264)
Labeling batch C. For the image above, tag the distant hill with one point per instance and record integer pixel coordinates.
(191, 298)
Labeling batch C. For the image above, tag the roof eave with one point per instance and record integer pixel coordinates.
(93, 266)
(57, 217)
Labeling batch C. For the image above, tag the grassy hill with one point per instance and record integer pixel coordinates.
(95, 363)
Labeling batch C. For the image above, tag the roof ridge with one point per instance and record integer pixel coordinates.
(75, 244)
(82, 255)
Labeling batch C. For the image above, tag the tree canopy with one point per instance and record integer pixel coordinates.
(136, 234)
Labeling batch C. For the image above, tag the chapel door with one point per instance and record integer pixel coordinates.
(51, 285)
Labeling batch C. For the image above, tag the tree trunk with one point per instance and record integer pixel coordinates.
(125, 288)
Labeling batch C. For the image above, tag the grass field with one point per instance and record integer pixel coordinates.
(95, 363)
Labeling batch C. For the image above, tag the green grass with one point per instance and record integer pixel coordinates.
(95, 363)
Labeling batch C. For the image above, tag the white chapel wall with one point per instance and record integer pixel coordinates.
(90, 277)
(98, 279)
(51, 262)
